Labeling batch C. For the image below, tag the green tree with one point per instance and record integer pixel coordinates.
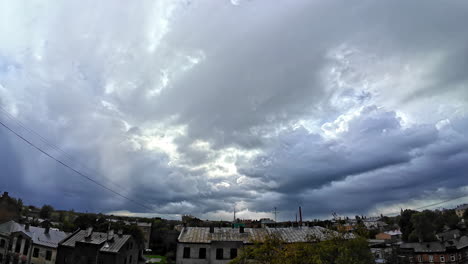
(46, 211)
(406, 226)
(334, 251)
(424, 227)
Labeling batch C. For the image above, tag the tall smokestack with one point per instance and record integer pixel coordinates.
(300, 216)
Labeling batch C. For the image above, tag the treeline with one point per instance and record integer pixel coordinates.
(336, 250)
(423, 226)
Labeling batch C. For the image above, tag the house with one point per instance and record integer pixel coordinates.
(381, 250)
(448, 235)
(86, 247)
(146, 230)
(374, 224)
(200, 245)
(389, 235)
(460, 210)
(28, 244)
(451, 251)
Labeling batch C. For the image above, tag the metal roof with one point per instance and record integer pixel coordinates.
(37, 234)
(97, 238)
(437, 246)
(288, 234)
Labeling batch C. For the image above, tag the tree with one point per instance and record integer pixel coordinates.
(406, 226)
(334, 251)
(46, 211)
(424, 229)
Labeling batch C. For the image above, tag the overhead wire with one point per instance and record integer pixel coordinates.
(55, 147)
(73, 169)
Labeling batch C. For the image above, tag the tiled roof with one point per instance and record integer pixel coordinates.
(288, 234)
(97, 238)
(37, 234)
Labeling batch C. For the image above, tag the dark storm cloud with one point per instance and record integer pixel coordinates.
(193, 106)
(429, 161)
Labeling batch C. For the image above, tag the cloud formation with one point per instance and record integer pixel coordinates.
(199, 106)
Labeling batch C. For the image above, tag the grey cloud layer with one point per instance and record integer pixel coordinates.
(164, 98)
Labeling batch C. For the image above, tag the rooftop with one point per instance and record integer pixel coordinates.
(37, 234)
(114, 245)
(437, 246)
(288, 234)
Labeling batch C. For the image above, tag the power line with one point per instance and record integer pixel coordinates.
(72, 169)
(47, 142)
(433, 204)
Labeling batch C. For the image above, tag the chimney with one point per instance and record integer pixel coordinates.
(110, 235)
(120, 232)
(26, 226)
(5, 194)
(89, 233)
(241, 229)
(211, 229)
(300, 216)
(47, 229)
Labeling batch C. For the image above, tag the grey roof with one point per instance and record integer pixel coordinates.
(437, 246)
(462, 207)
(288, 234)
(97, 238)
(143, 224)
(424, 247)
(447, 235)
(37, 234)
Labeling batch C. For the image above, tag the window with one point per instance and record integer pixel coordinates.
(131, 245)
(186, 252)
(419, 258)
(202, 253)
(219, 253)
(125, 260)
(2, 243)
(452, 258)
(459, 256)
(130, 259)
(411, 259)
(36, 253)
(442, 258)
(233, 253)
(431, 258)
(18, 244)
(26, 248)
(1, 258)
(48, 255)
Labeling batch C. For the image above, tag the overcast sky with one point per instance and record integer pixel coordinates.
(197, 107)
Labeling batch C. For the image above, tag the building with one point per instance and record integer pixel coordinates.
(449, 251)
(382, 251)
(448, 235)
(203, 245)
(88, 247)
(146, 230)
(28, 244)
(374, 224)
(460, 210)
(389, 235)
